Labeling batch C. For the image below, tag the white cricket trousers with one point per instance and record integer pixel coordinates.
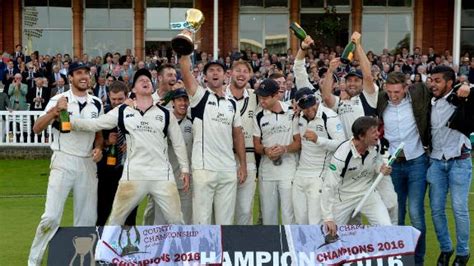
(214, 190)
(244, 201)
(67, 172)
(131, 192)
(374, 210)
(154, 216)
(307, 199)
(272, 193)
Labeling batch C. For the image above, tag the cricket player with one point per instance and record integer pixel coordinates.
(353, 168)
(322, 133)
(362, 101)
(239, 90)
(277, 138)
(180, 104)
(147, 169)
(217, 132)
(73, 164)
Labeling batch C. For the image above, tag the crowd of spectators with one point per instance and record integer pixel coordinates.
(49, 72)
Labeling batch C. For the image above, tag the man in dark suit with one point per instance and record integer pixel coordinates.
(61, 87)
(30, 76)
(38, 96)
(9, 73)
(101, 90)
(18, 53)
(55, 76)
(255, 62)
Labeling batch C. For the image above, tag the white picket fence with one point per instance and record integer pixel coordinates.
(16, 129)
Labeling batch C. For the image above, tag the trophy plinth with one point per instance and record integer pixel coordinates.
(183, 44)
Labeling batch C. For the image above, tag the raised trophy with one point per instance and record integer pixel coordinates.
(183, 43)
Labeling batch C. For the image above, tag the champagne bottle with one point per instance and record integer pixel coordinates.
(348, 53)
(299, 32)
(112, 156)
(64, 122)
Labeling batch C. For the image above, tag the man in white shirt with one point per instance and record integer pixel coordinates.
(405, 114)
(147, 169)
(322, 133)
(239, 90)
(276, 137)
(353, 168)
(217, 132)
(73, 164)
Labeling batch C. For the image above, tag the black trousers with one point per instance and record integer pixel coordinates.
(107, 186)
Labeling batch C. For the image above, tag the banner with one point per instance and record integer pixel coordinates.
(312, 244)
(159, 245)
(242, 246)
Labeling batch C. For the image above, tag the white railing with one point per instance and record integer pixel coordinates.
(16, 129)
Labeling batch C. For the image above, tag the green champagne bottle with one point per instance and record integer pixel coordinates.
(112, 156)
(299, 32)
(348, 53)
(64, 122)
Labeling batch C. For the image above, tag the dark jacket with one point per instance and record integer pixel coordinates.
(462, 119)
(421, 104)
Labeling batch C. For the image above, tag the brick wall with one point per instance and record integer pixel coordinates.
(438, 18)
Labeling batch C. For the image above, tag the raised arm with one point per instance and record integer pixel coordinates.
(107, 121)
(365, 65)
(190, 83)
(301, 76)
(329, 99)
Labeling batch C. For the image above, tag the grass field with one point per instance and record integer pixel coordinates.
(23, 186)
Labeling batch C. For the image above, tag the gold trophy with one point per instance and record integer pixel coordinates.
(183, 43)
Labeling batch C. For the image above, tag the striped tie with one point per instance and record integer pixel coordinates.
(120, 142)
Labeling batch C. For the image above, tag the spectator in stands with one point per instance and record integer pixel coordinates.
(55, 76)
(60, 87)
(17, 92)
(38, 96)
(9, 74)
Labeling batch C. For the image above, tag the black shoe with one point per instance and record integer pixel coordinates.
(461, 260)
(443, 259)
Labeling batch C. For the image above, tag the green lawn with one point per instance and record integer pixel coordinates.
(22, 188)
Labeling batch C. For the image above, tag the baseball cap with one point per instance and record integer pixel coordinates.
(356, 73)
(181, 92)
(267, 87)
(77, 65)
(140, 72)
(301, 92)
(210, 63)
(306, 98)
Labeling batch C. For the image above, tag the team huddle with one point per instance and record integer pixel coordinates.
(195, 149)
